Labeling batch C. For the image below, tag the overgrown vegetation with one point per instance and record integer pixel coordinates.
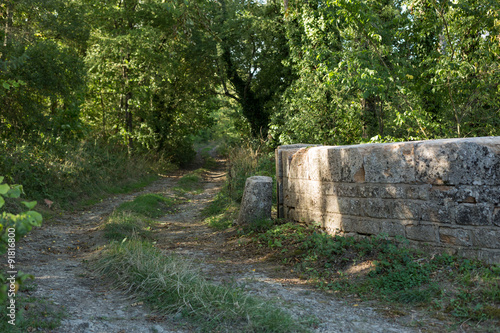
(76, 172)
(379, 268)
(34, 314)
(150, 205)
(14, 226)
(17, 218)
(191, 182)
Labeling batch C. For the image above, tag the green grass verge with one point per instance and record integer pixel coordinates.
(174, 285)
(221, 212)
(447, 286)
(77, 173)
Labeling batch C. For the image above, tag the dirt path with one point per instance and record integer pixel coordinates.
(56, 255)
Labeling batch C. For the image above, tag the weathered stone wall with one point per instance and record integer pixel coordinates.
(445, 193)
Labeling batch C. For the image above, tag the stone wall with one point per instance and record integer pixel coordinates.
(444, 193)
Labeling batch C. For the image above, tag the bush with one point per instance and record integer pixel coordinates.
(12, 228)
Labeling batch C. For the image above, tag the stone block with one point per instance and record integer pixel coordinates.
(331, 204)
(257, 200)
(405, 209)
(455, 236)
(370, 191)
(422, 233)
(344, 163)
(297, 164)
(488, 256)
(332, 223)
(390, 191)
(330, 188)
(474, 214)
(308, 216)
(478, 194)
(392, 228)
(348, 190)
(318, 167)
(376, 207)
(361, 225)
(390, 163)
(441, 193)
(496, 216)
(438, 212)
(350, 206)
(459, 161)
(417, 192)
(486, 238)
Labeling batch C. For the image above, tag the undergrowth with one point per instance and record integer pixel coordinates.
(33, 313)
(121, 225)
(387, 270)
(77, 172)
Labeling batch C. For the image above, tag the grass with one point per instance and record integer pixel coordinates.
(221, 212)
(191, 183)
(174, 285)
(76, 173)
(121, 225)
(150, 205)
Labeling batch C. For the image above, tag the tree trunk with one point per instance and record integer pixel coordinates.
(127, 96)
(8, 22)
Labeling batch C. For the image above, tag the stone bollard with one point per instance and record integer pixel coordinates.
(257, 200)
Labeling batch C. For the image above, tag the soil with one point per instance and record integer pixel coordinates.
(57, 254)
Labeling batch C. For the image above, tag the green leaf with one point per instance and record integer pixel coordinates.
(6, 85)
(1, 179)
(15, 192)
(4, 188)
(2, 201)
(36, 216)
(30, 204)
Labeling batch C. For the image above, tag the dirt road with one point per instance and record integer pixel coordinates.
(57, 253)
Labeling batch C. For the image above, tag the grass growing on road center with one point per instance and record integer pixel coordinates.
(150, 205)
(174, 285)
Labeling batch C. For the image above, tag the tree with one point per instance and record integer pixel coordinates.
(249, 47)
(147, 74)
(390, 69)
(39, 58)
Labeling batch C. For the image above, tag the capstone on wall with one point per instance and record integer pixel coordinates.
(443, 193)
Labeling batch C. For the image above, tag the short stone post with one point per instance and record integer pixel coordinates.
(257, 200)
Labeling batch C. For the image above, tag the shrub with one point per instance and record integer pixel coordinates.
(12, 228)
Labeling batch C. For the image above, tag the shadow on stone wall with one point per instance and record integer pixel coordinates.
(444, 193)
